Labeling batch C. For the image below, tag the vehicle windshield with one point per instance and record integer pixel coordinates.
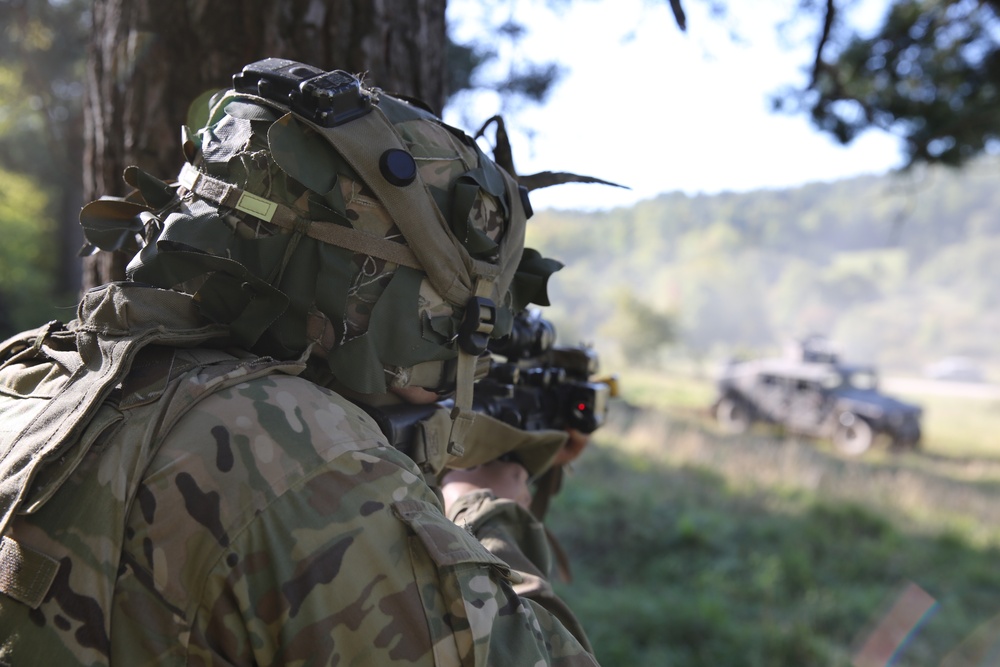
(855, 379)
(861, 379)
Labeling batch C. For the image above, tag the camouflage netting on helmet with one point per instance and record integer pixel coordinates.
(283, 291)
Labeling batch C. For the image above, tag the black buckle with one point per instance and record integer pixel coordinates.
(477, 324)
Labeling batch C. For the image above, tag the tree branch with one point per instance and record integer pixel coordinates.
(679, 16)
(828, 18)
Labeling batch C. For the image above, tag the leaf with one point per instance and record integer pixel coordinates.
(544, 179)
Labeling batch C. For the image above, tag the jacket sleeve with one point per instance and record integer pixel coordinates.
(514, 535)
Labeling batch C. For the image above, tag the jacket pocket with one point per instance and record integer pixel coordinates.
(464, 588)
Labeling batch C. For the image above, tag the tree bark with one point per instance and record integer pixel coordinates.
(150, 59)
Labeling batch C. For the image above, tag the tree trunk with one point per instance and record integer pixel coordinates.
(150, 59)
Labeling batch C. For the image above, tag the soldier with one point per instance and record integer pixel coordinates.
(188, 470)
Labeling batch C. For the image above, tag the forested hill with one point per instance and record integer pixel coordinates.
(896, 269)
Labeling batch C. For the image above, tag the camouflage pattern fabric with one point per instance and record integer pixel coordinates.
(270, 525)
(513, 535)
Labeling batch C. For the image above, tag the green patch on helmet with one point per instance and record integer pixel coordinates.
(355, 364)
(287, 336)
(395, 337)
(333, 280)
(269, 255)
(305, 156)
(246, 307)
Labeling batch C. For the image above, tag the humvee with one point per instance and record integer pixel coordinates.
(818, 396)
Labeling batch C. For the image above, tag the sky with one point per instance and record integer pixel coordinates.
(659, 110)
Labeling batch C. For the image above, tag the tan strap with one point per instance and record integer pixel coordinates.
(463, 416)
(465, 374)
(226, 194)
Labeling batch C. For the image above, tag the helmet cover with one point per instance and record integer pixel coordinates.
(381, 311)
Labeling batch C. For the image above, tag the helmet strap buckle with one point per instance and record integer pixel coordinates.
(477, 324)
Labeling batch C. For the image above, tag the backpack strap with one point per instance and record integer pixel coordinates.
(166, 382)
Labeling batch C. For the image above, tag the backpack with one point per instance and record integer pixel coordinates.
(64, 389)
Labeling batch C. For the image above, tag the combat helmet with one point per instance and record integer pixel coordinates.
(316, 216)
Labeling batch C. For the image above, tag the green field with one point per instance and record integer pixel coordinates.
(690, 547)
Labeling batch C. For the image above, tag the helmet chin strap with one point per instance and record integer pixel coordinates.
(474, 334)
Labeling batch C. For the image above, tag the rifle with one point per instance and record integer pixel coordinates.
(532, 384)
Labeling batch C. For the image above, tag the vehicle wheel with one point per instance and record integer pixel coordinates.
(853, 436)
(732, 415)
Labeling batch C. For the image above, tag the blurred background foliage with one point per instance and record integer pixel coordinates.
(896, 270)
(41, 153)
(27, 267)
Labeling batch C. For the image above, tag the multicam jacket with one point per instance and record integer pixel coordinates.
(227, 512)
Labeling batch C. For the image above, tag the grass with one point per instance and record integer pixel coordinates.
(694, 548)
(955, 426)
(666, 391)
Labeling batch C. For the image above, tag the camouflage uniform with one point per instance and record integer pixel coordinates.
(242, 515)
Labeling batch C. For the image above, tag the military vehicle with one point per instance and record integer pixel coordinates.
(816, 395)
